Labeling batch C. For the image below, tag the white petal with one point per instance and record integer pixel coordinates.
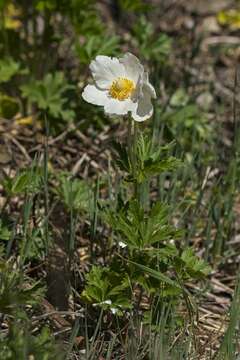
(116, 107)
(144, 108)
(149, 86)
(105, 70)
(138, 92)
(133, 67)
(151, 90)
(93, 95)
(114, 310)
(108, 302)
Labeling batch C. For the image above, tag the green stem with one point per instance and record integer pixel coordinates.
(132, 150)
(143, 194)
(129, 137)
(140, 190)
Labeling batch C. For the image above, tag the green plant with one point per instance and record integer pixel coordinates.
(152, 47)
(49, 95)
(183, 115)
(147, 161)
(107, 289)
(29, 180)
(8, 69)
(134, 5)
(16, 289)
(76, 194)
(97, 44)
(151, 258)
(9, 106)
(5, 233)
(21, 344)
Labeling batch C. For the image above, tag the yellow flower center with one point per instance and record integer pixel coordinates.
(121, 88)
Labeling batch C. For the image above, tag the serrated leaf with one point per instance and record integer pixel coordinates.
(26, 180)
(49, 95)
(194, 265)
(139, 229)
(76, 194)
(153, 168)
(122, 158)
(97, 44)
(8, 68)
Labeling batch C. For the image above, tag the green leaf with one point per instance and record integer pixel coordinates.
(107, 289)
(14, 292)
(5, 233)
(153, 168)
(134, 5)
(27, 180)
(42, 5)
(139, 229)
(157, 275)
(50, 94)
(151, 45)
(150, 162)
(179, 98)
(9, 106)
(76, 194)
(8, 69)
(21, 344)
(193, 265)
(97, 285)
(122, 158)
(97, 44)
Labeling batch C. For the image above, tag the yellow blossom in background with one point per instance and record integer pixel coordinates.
(28, 120)
(229, 18)
(11, 15)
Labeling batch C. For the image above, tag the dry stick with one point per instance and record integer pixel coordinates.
(21, 147)
(78, 164)
(52, 141)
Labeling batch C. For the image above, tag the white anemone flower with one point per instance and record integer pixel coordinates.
(122, 244)
(120, 86)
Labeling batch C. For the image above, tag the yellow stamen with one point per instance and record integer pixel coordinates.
(121, 88)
